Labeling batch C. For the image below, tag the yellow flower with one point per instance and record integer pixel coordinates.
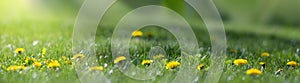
(20, 50)
(137, 33)
(30, 61)
(240, 62)
(15, 68)
(262, 63)
(278, 71)
(96, 68)
(172, 65)
(69, 62)
(44, 50)
(37, 64)
(78, 56)
(53, 64)
(200, 66)
(292, 63)
(264, 54)
(64, 57)
(147, 62)
(118, 59)
(253, 71)
(159, 56)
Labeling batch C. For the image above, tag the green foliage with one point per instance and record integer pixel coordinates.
(57, 39)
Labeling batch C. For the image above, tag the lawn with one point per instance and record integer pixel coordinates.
(56, 38)
(36, 45)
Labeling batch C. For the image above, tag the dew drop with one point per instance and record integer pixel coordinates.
(34, 75)
(111, 71)
(35, 42)
(105, 64)
(133, 73)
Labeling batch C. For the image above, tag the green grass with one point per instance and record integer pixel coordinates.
(57, 38)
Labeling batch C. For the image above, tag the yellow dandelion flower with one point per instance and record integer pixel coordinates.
(118, 59)
(64, 57)
(278, 72)
(264, 54)
(240, 62)
(253, 71)
(20, 50)
(172, 65)
(15, 68)
(137, 34)
(69, 62)
(78, 56)
(94, 68)
(44, 50)
(200, 66)
(292, 63)
(30, 61)
(147, 62)
(37, 64)
(159, 56)
(53, 64)
(262, 64)
(280, 69)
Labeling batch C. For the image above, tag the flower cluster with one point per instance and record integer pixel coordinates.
(254, 71)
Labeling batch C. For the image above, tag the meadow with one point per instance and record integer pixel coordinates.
(53, 43)
(36, 44)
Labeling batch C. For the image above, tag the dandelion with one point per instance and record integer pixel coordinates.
(94, 68)
(159, 56)
(265, 54)
(78, 56)
(172, 65)
(118, 59)
(253, 71)
(64, 57)
(30, 61)
(292, 63)
(37, 64)
(53, 64)
(263, 65)
(147, 62)
(69, 62)
(137, 33)
(15, 68)
(240, 62)
(44, 50)
(278, 72)
(19, 50)
(201, 66)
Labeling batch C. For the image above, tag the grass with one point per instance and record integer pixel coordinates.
(57, 39)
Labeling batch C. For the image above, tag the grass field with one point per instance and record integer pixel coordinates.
(56, 38)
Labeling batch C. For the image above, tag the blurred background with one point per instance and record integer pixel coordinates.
(260, 17)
